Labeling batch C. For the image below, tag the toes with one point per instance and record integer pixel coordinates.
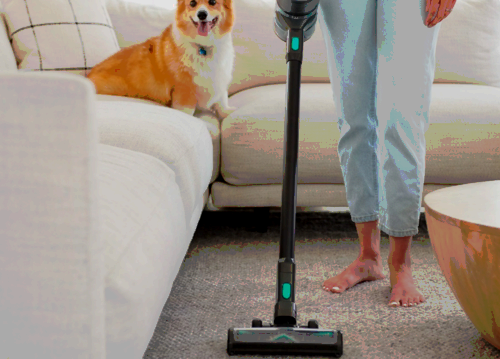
(410, 302)
(393, 304)
(333, 289)
(417, 300)
(413, 302)
(333, 286)
(405, 302)
(397, 301)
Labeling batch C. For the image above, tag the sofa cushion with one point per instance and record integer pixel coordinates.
(180, 141)
(55, 35)
(135, 23)
(462, 116)
(213, 125)
(252, 137)
(468, 45)
(144, 242)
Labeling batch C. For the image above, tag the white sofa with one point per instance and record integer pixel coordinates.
(100, 196)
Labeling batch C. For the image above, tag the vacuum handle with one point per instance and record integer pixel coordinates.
(285, 312)
(295, 44)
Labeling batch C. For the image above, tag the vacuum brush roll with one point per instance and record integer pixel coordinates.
(285, 340)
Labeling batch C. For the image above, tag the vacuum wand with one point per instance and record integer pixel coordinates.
(294, 23)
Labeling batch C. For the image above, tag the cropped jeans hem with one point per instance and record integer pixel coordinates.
(363, 219)
(390, 232)
(384, 228)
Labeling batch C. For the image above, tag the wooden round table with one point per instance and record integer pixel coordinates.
(464, 228)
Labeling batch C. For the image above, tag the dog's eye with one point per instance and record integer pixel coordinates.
(212, 2)
(192, 3)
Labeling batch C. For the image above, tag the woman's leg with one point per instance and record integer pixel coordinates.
(353, 28)
(349, 30)
(406, 63)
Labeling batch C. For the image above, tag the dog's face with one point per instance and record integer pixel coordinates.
(202, 18)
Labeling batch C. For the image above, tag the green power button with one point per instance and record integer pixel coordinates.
(295, 43)
(286, 290)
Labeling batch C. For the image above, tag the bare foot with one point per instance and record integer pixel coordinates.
(361, 270)
(404, 292)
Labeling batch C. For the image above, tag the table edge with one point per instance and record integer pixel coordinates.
(460, 223)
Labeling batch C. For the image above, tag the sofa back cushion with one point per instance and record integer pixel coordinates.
(59, 35)
(7, 59)
(468, 46)
(135, 23)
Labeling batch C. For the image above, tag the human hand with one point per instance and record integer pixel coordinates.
(437, 11)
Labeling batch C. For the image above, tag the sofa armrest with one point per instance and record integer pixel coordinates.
(51, 274)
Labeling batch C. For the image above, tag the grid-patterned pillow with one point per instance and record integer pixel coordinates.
(59, 35)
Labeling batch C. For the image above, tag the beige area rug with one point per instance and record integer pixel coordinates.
(228, 278)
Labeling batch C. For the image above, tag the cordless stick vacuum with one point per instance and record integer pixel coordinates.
(294, 23)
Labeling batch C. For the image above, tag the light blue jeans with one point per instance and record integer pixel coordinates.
(381, 60)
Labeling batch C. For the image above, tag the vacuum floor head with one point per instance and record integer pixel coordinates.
(285, 341)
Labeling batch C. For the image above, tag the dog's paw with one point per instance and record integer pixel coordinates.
(224, 112)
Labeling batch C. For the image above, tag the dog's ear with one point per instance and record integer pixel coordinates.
(181, 4)
(228, 4)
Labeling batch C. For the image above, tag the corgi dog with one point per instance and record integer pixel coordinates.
(189, 65)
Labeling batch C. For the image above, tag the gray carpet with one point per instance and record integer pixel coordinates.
(228, 278)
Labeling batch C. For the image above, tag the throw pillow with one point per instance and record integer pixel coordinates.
(7, 59)
(59, 35)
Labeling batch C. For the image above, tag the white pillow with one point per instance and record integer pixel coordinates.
(59, 35)
(135, 23)
(260, 54)
(7, 59)
(468, 48)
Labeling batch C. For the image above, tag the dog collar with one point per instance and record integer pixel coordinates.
(202, 50)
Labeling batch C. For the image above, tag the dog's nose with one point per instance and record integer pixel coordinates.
(202, 15)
